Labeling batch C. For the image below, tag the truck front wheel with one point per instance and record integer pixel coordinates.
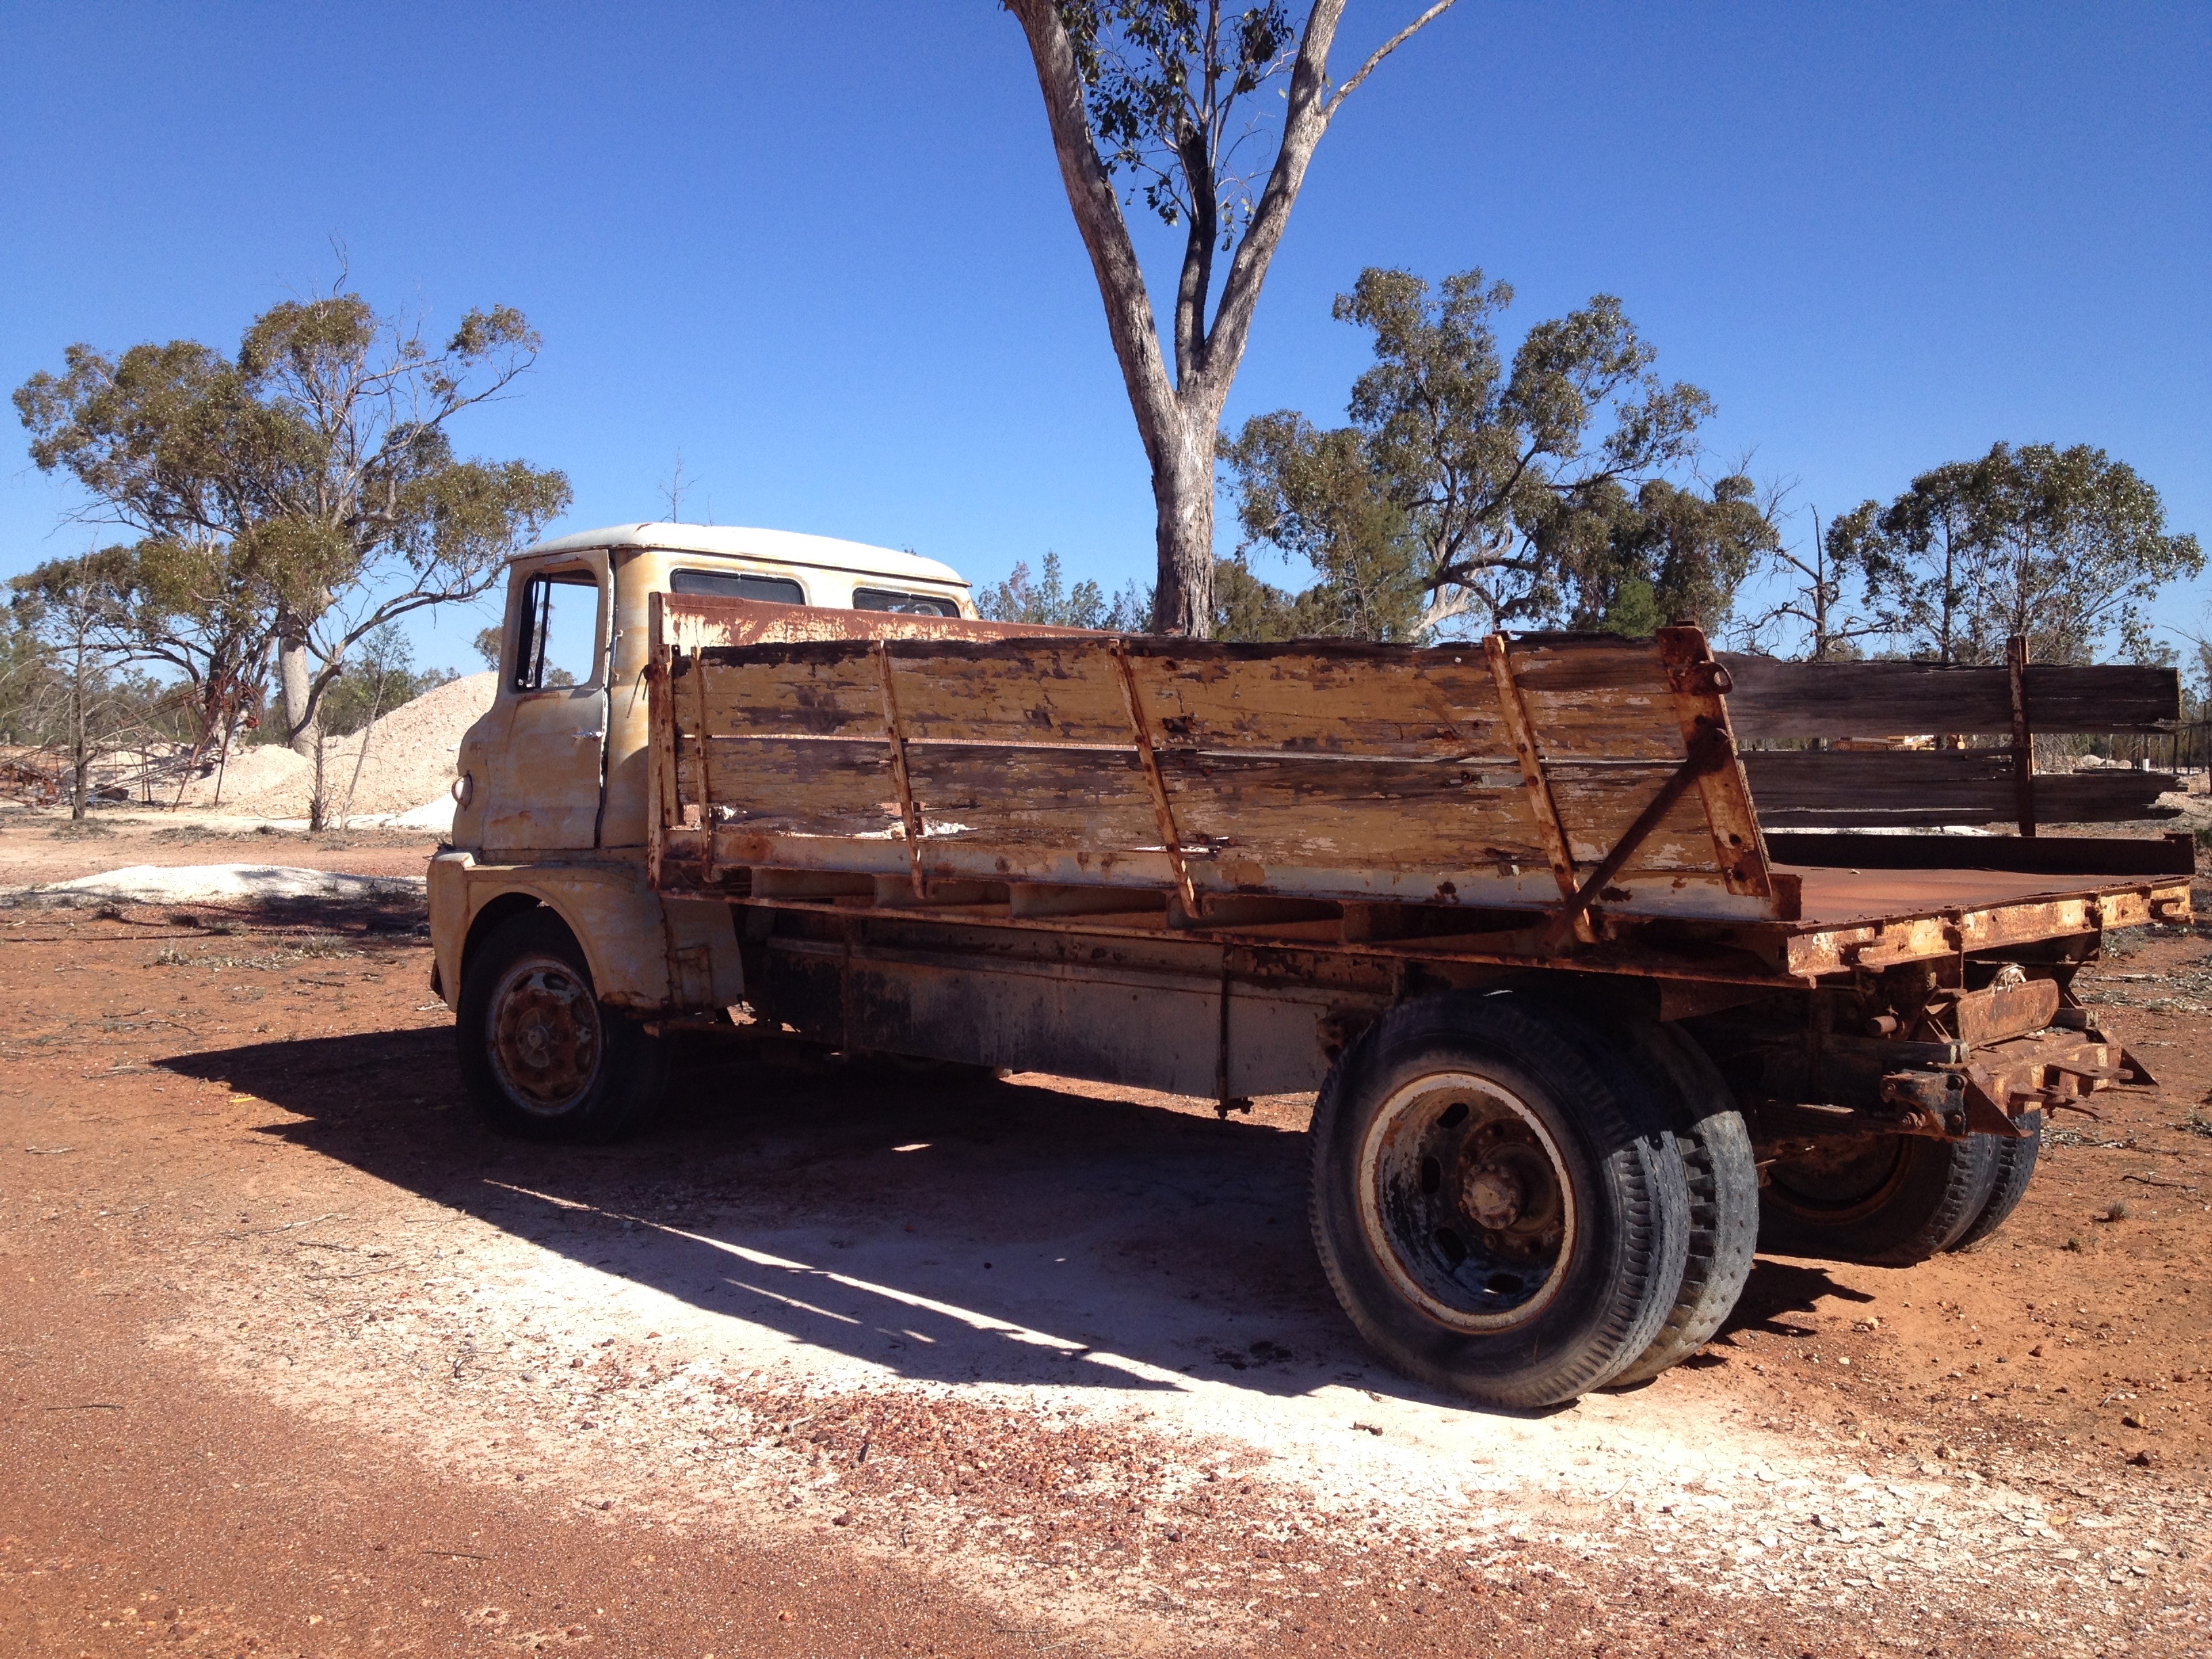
(1500, 1206)
(542, 1058)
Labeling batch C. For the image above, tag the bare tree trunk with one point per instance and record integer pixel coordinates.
(1182, 490)
(295, 679)
(315, 800)
(1179, 417)
(80, 747)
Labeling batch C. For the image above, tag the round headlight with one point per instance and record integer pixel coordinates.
(464, 788)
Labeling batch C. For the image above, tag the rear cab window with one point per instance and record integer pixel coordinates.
(736, 585)
(910, 604)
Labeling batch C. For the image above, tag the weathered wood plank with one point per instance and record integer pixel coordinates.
(1598, 698)
(1032, 797)
(1319, 767)
(1598, 804)
(795, 786)
(1417, 705)
(1025, 692)
(814, 694)
(1935, 786)
(1781, 699)
(1682, 894)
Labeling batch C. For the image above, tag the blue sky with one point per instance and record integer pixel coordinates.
(822, 251)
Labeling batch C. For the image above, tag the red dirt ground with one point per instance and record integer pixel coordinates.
(149, 1502)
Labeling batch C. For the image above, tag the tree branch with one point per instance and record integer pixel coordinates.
(1384, 51)
(1304, 123)
(1105, 234)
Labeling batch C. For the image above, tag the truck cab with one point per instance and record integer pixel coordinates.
(549, 788)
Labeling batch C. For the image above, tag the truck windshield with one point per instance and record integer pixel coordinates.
(912, 604)
(736, 585)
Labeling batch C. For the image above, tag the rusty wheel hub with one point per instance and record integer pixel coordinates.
(545, 1038)
(1466, 1201)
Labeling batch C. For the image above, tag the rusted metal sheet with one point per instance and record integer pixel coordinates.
(1904, 936)
(2002, 1010)
(693, 621)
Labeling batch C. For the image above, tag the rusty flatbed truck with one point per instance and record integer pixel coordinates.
(1599, 987)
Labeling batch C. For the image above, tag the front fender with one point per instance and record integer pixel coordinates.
(647, 955)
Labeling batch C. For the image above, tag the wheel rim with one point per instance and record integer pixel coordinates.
(1466, 1201)
(545, 1035)
(1841, 1181)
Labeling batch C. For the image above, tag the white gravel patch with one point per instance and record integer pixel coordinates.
(174, 884)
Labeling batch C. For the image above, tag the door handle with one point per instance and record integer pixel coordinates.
(595, 737)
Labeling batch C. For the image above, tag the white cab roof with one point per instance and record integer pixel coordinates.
(768, 546)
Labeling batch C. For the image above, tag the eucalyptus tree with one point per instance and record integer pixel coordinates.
(303, 491)
(2067, 547)
(1470, 488)
(1170, 94)
(66, 610)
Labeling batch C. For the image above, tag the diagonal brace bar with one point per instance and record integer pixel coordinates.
(1711, 752)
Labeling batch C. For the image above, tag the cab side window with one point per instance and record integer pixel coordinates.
(908, 604)
(557, 642)
(736, 585)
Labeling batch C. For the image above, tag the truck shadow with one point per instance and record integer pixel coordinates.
(1011, 1232)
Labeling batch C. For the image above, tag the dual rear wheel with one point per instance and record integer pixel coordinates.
(1895, 1201)
(1516, 1207)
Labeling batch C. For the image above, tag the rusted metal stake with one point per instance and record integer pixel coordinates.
(1701, 687)
(2023, 739)
(706, 785)
(909, 813)
(1150, 761)
(1551, 832)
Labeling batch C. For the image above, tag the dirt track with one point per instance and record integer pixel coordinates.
(840, 1362)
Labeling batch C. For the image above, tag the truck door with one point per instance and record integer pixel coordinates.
(545, 772)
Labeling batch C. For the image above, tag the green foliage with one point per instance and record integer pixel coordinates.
(1160, 79)
(1313, 495)
(488, 642)
(64, 685)
(1045, 600)
(379, 677)
(1633, 563)
(2066, 546)
(303, 492)
(1467, 486)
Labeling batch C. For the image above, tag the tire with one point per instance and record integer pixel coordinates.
(541, 1057)
(1465, 1145)
(2015, 1161)
(1723, 1178)
(1882, 1200)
